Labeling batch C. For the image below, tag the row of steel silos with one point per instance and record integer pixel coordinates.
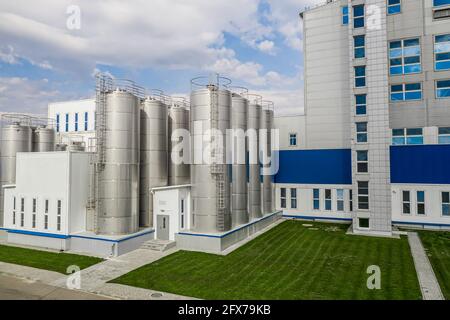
(21, 133)
(227, 195)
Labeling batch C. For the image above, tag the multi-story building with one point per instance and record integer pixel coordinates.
(377, 116)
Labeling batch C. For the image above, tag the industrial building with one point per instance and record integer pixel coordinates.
(371, 149)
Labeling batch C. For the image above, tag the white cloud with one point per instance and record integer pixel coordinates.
(286, 101)
(267, 46)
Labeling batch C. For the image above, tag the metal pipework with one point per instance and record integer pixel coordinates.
(266, 122)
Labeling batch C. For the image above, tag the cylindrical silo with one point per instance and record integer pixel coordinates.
(210, 176)
(254, 180)
(43, 139)
(266, 194)
(239, 213)
(179, 173)
(118, 187)
(153, 155)
(271, 206)
(15, 137)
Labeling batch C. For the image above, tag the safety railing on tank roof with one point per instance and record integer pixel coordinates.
(242, 91)
(255, 98)
(15, 118)
(212, 80)
(111, 84)
(43, 122)
(155, 94)
(179, 102)
(268, 105)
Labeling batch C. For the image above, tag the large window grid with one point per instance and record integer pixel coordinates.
(407, 136)
(404, 56)
(406, 92)
(444, 135)
(442, 52)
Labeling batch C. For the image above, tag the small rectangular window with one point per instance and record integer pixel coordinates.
(46, 206)
(360, 76)
(363, 222)
(182, 221)
(446, 203)
(86, 122)
(76, 121)
(442, 52)
(34, 205)
(421, 202)
(58, 217)
(439, 3)
(327, 199)
(350, 199)
(57, 122)
(293, 198)
(340, 199)
(444, 135)
(406, 92)
(394, 7)
(46, 222)
(316, 199)
(292, 139)
(361, 104)
(404, 56)
(59, 208)
(443, 89)
(363, 195)
(407, 136)
(182, 205)
(359, 46)
(361, 132)
(33, 225)
(283, 197)
(22, 204)
(344, 11)
(406, 200)
(14, 210)
(358, 16)
(362, 161)
(67, 122)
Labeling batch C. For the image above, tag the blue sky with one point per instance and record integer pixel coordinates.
(158, 43)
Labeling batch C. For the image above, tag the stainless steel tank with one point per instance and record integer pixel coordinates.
(15, 138)
(153, 171)
(43, 139)
(266, 194)
(210, 108)
(271, 205)
(179, 173)
(118, 200)
(254, 183)
(239, 213)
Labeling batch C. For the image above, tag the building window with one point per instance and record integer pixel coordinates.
(444, 135)
(350, 199)
(76, 121)
(67, 122)
(46, 222)
(406, 92)
(34, 205)
(443, 89)
(421, 202)
(340, 199)
(363, 195)
(442, 52)
(446, 203)
(361, 132)
(359, 44)
(363, 222)
(283, 198)
(361, 104)
(327, 199)
(46, 206)
(57, 123)
(360, 76)
(344, 11)
(358, 16)
(22, 212)
(14, 210)
(362, 161)
(293, 198)
(292, 139)
(316, 199)
(33, 225)
(438, 3)
(407, 136)
(404, 56)
(86, 121)
(406, 201)
(58, 215)
(394, 6)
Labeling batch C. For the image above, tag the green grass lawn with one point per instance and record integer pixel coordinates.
(437, 246)
(52, 261)
(288, 262)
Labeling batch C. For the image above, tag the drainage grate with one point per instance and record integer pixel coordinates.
(157, 295)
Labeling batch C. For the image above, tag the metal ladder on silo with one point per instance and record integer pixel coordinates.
(217, 169)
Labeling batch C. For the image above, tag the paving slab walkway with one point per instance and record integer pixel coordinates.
(427, 279)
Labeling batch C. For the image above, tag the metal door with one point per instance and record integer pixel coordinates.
(162, 224)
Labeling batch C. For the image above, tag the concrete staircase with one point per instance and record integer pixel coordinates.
(158, 245)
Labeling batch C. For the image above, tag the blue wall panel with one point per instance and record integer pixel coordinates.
(420, 164)
(328, 166)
